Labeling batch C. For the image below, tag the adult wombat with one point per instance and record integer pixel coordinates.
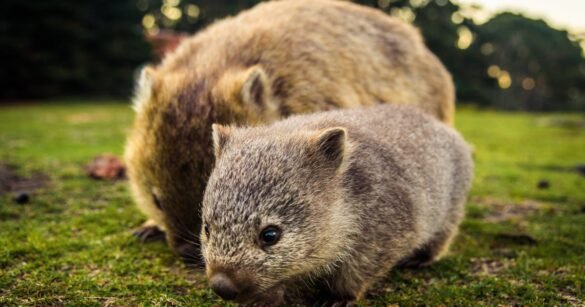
(332, 199)
(277, 59)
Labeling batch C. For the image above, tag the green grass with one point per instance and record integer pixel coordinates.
(72, 243)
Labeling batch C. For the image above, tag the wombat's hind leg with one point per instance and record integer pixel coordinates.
(430, 252)
(149, 232)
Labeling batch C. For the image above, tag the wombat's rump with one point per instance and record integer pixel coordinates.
(277, 59)
(332, 199)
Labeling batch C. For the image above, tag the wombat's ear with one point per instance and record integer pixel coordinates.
(143, 90)
(331, 144)
(256, 88)
(221, 135)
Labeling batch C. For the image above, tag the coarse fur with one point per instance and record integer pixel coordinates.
(277, 59)
(354, 193)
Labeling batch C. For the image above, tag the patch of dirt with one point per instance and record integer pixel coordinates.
(11, 182)
(105, 300)
(490, 267)
(107, 167)
(571, 299)
(563, 271)
(500, 211)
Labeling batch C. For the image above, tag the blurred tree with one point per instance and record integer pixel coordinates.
(535, 66)
(506, 63)
(68, 47)
(187, 15)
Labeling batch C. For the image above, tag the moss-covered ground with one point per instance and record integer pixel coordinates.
(72, 244)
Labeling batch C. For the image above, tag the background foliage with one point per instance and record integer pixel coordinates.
(66, 47)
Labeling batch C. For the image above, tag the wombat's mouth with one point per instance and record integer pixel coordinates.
(241, 286)
(272, 297)
(248, 295)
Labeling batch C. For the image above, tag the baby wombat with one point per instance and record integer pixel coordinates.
(332, 199)
(277, 59)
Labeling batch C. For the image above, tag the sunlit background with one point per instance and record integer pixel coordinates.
(66, 215)
(564, 14)
(514, 55)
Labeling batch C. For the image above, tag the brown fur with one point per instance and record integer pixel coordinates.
(277, 59)
(353, 192)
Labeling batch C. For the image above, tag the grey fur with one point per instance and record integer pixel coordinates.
(395, 197)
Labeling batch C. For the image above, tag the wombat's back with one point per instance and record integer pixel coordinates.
(337, 55)
(399, 150)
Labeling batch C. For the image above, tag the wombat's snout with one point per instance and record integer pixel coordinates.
(223, 286)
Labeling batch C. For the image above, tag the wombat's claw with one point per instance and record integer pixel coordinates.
(149, 233)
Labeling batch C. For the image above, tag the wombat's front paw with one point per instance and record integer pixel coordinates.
(334, 303)
(149, 232)
(344, 304)
(273, 298)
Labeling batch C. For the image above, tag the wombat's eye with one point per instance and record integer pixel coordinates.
(206, 229)
(269, 235)
(156, 201)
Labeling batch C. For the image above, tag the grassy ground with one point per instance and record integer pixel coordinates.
(72, 244)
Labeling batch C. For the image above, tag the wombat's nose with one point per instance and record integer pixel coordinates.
(223, 286)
